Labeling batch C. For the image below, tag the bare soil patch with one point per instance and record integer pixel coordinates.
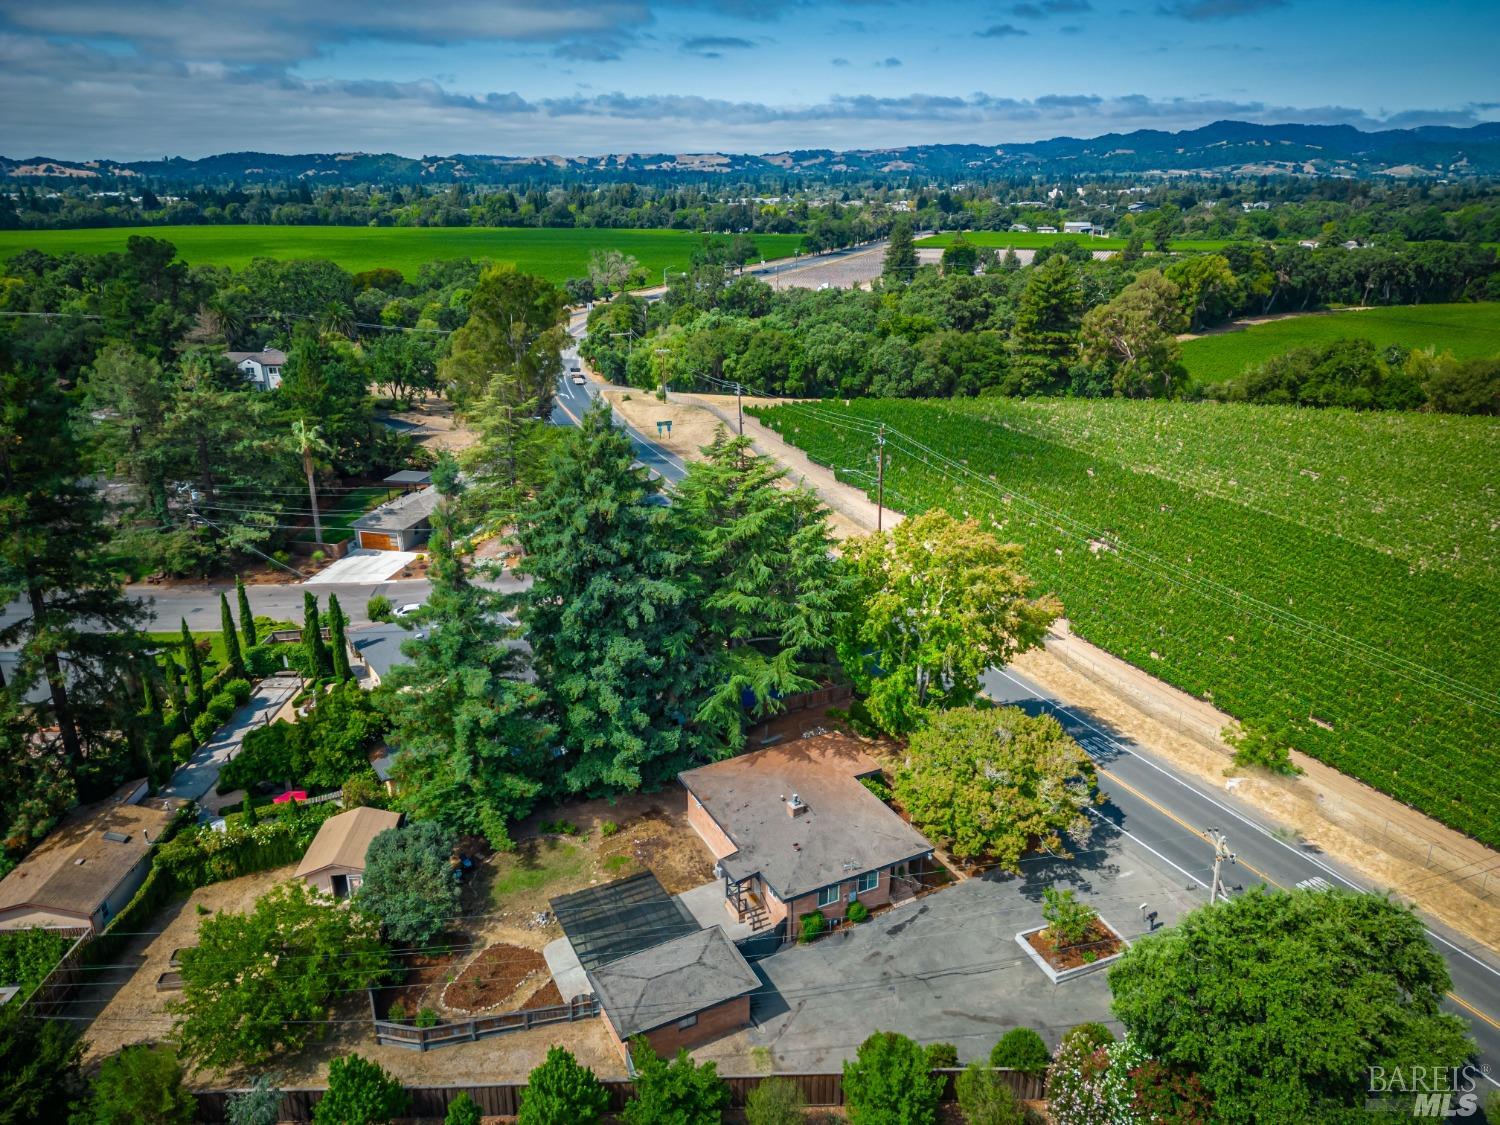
(494, 979)
(1099, 942)
(424, 977)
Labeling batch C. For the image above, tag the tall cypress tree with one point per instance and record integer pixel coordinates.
(1045, 336)
(174, 689)
(611, 624)
(318, 660)
(900, 264)
(475, 751)
(247, 618)
(338, 649)
(231, 639)
(194, 667)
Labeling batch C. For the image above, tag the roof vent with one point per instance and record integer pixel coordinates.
(795, 805)
(117, 837)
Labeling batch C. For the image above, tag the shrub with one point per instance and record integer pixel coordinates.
(363, 790)
(259, 1105)
(561, 1091)
(27, 956)
(1068, 920)
(1021, 1049)
(813, 926)
(679, 1091)
(427, 1017)
(379, 608)
(776, 1101)
(560, 828)
(890, 1081)
(203, 728)
(857, 912)
(360, 1092)
(140, 1084)
(462, 1110)
(397, 1013)
(608, 828)
(239, 690)
(262, 660)
(409, 883)
(221, 708)
(986, 1098)
(876, 786)
(941, 1055)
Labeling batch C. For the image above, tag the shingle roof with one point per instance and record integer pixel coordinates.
(271, 357)
(342, 840)
(844, 830)
(399, 514)
(667, 982)
(76, 868)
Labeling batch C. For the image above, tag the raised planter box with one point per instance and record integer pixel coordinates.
(1059, 976)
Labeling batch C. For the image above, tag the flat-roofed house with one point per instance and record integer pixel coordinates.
(335, 861)
(90, 865)
(795, 831)
(402, 524)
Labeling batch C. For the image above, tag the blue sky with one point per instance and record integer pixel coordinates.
(110, 78)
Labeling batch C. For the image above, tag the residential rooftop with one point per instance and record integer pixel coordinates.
(400, 514)
(839, 829)
(343, 840)
(672, 980)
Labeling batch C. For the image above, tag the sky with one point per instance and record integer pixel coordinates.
(125, 80)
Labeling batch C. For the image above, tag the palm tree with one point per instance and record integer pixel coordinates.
(307, 442)
(336, 319)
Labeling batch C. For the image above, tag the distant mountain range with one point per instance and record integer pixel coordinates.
(1223, 148)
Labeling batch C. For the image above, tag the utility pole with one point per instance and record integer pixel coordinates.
(1216, 891)
(739, 408)
(880, 479)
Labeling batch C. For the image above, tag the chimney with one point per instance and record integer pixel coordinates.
(795, 806)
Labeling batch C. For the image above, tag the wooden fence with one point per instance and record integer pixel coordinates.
(49, 997)
(391, 1034)
(819, 1090)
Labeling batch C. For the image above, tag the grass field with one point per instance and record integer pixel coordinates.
(556, 254)
(1003, 238)
(1327, 574)
(1465, 330)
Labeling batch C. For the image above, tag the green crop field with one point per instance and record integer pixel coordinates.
(1332, 575)
(1003, 238)
(1465, 330)
(554, 253)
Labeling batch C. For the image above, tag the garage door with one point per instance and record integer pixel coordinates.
(378, 541)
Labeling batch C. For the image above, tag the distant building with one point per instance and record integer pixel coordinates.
(90, 865)
(402, 524)
(263, 368)
(1082, 228)
(1046, 230)
(1258, 205)
(1020, 228)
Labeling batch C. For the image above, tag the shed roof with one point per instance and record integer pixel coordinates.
(401, 514)
(81, 862)
(671, 980)
(844, 829)
(605, 924)
(410, 476)
(342, 840)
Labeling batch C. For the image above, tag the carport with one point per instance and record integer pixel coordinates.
(607, 923)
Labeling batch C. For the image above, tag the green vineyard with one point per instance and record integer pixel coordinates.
(1325, 576)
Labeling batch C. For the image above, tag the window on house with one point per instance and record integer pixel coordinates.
(867, 882)
(687, 1022)
(828, 895)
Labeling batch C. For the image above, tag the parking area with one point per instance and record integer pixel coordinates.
(361, 566)
(946, 968)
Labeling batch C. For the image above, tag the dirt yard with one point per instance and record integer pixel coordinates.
(435, 425)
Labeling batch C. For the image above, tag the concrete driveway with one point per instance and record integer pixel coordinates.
(362, 565)
(196, 778)
(946, 968)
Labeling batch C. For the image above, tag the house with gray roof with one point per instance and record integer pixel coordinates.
(402, 524)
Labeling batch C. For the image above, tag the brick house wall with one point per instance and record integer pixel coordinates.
(712, 1023)
(708, 830)
(881, 895)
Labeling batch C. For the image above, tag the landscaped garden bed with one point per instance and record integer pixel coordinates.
(1075, 940)
(422, 979)
(495, 980)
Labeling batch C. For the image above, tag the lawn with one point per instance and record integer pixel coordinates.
(346, 509)
(1003, 238)
(1330, 575)
(556, 254)
(1465, 330)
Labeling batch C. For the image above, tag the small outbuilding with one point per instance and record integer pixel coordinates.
(402, 524)
(335, 860)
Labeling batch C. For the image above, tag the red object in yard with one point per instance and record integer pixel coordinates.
(290, 795)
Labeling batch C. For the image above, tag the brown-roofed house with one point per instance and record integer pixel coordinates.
(90, 865)
(335, 860)
(795, 831)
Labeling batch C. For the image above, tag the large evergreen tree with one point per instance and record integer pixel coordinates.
(512, 341)
(1045, 336)
(338, 646)
(508, 462)
(232, 652)
(900, 264)
(770, 595)
(609, 615)
(75, 630)
(247, 617)
(474, 749)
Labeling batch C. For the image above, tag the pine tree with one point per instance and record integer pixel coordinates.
(900, 264)
(319, 662)
(194, 667)
(174, 689)
(1045, 337)
(608, 613)
(338, 648)
(247, 618)
(509, 460)
(475, 751)
(232, 653)
(770, 595)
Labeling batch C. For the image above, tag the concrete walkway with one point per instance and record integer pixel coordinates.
(196, 778)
